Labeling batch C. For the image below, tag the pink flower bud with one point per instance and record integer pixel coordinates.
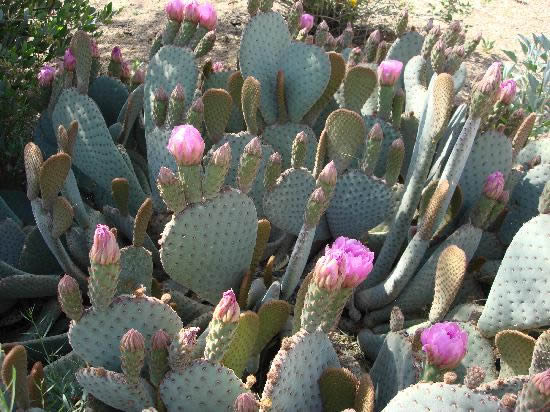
(218, 67)
(375, 37)
(198, 106)
(191, 11)
(160, 340)
(46, 75)
(329, 174)
(306, 22)
(542, 382)
(69, 61)
(174, 10)
(504, 197)
(246, 402)
(160, 94)
(67, 285)
(166, 176)
(228, 309)
(139, 76)
(207, 16)
(491, 79)
(222, 155)
(389, 71)
(507, 91)
(188, 336)
(445, 344)
(355, 260)
(125, 72)
(318, 196)
(116, 54)
(186, 145)
(254, 147)
(105, 249)
(494, 185)
(276, 158)
(327, 273)
(132, 341)
(94, 48)
(178, 93)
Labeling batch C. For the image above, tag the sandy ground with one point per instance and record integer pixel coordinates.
(135, 27)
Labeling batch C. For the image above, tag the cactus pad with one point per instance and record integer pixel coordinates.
(224, 227)
(540, 147)
(440, 397)
(338, 388)
(521, 282)
(285, 204)
(491, 151)
(346, 133)
(110, 95)
(281, 136)
(359, 203)
(273, 316)
(390, 134)
(499, 387)
(516, 350)
(404, 48)
(136, 269)
(113, 389)
(242, 343)
(96, 336)
(202, 385)
(294, 374)
(11, 242)
(541, 354)
(480, 353)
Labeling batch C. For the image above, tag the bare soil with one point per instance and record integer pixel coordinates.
(135, 27)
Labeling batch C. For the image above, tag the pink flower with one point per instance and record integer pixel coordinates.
(306, 22)
(246, 402)
(327, 273)
(116, 54)
(94, 48)
(69, 61)
(218, 67)
(105, 249)
(389, 71)
(228, 309)
(207, 16)
(46, 75)
(174, 10)
(186, 145)
(125, 72)
(507, 91)
(445, 344)
(191, 11)
(356, 260)
(494, 185)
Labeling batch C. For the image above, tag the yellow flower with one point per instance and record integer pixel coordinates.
(352, 3)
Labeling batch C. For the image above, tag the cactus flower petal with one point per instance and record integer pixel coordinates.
(389, 71)
(186, 145)
(105, 250)
(445, 344)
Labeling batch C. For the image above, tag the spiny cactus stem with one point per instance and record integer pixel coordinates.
(103, 284)
(185, 33)
(218, 339)
(297, 261)
(314, 312)
(190, 177)
(385, 101)
(55, 245)
(482, 211)
(431, 373)
(170, 31)
(197, 36)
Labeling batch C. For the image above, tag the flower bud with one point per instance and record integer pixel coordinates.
(125, 72)
(328, 175)
(188, 336)
(207, 16)
(139, 76)
(174, 10)
(376, 132)
(191, 11)
(326, 273)
(105, 249)
(494, 185)
(375, 37)
(227, 309)
(132, 341)
(116, 54)
(197, 106)
(69, 61)
(246, 402)
(94, 49)
(218, 67)
(389, 71)
(507, 91)
(70, 298)
(306, 22)
(356, 260)
(186, 145)
(178, 93)
(491, 79)
(160, 340)
(160, 95)
(445, 344)
(504, 197)
(166, 176)
(46, 75)
(254, 148)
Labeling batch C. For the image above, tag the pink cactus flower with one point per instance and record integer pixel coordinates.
(207, 16)
(218, 67)
(507, 91)
(327, 274)
(246, 402)
(329, 174)
(494, 185)
(69, 61)
(389, 71)
(46, 75)
(491, 79)
(445, 344)
(186, 145)
(105, 249)
(227, 309)
(191, 11)
(125, 72)
(174, 10)
(306, 22)
(116, 54)
(94, 48)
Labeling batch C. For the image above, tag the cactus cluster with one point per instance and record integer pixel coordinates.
(204, 229)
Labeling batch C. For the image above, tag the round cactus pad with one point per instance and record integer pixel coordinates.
(110, 94)
(208, 247)
(405, 48)
(96, 336)
(201, 386)
(281, 137)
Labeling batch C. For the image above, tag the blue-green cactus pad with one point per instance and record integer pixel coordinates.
(281, 137)
(285, 203)
(19, 204)
(35, 256)
(539, 147)
(405, 48)
(359, 203)
(524, 201)
(491, 152)
(110, 95)
(439, 396)
(266, 48)
(208, 247)
(237, 143)
(136, 269)
(519, 295)
(202, 386)
(292, 383)
(500, 387)
(94, 153)
(11, 242)
(480, 353)
(219, 80)
(170, 66)
(96, 336)
(158, 156)
(113, 389)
